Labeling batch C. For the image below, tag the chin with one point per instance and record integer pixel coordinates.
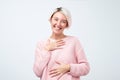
(57, 33)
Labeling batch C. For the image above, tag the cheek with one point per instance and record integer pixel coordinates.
(52, 22)
(64, 25)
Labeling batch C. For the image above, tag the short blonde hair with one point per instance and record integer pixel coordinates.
(65, 12)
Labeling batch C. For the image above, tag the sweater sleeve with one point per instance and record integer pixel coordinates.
(41, 59)
(81, 67)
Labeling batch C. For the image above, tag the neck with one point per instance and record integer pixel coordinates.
(57, 37)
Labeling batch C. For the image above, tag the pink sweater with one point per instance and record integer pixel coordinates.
(71, 53)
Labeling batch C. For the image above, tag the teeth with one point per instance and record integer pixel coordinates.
(58, 28)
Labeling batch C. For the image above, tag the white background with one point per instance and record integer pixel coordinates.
(95, 22)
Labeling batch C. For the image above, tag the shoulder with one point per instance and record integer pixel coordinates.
(73, 38)
(41, 42)
(76, 42)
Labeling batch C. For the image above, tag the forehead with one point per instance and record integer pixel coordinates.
(59, 15)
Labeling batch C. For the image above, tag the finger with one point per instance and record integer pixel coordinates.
(53, 71)
(59, 40)
(58, 62)
(56, 74)
(58, 48)
(60, 44)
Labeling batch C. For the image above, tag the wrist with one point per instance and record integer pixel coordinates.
(47, 48)
(68, 67)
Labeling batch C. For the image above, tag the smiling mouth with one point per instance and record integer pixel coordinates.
(58, 28)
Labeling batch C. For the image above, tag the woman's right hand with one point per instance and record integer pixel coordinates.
(52, 45)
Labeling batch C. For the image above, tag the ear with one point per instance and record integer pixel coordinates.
(49, 20)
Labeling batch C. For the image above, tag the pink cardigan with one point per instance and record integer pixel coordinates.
(71, 53)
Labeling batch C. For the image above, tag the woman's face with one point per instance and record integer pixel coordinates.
(58, 23)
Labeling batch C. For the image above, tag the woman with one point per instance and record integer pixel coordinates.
(60, 57)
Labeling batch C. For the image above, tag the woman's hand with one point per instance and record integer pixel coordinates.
(52, 45)
(60, 70)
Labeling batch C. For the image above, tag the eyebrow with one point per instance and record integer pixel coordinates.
(62, 19)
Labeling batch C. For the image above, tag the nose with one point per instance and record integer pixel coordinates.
(58, 23)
